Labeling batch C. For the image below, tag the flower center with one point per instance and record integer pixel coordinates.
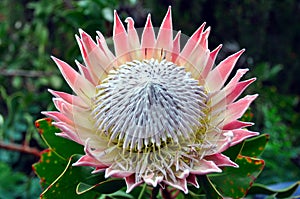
(149, 103)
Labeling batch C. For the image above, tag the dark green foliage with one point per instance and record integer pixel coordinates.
(275, 113)
(285, 193)
(16, 184)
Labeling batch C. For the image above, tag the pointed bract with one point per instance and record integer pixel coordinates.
(120, 39)
(165, 34)
(148, 39)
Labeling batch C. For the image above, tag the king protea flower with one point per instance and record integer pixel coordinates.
(151, 112)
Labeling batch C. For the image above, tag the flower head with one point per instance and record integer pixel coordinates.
(152, 112)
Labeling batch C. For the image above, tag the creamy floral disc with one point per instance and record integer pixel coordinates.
(149, 103)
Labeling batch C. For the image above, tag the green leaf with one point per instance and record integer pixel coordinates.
(141, 189)
(59, 178)
(63, 147)
(254, 147)
(14, 184)
(65, 184)
(235, 182)
(108, 186)
(234, 151)
(121, 194)
(209, 188)
(49, 167)
(282, 193)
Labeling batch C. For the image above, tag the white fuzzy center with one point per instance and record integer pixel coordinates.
(149, 103)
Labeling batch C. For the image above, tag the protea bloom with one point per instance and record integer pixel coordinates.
(151, 112)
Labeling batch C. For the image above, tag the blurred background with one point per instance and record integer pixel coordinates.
(31, 31)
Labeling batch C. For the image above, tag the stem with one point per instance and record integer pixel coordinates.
(142, 191)
(176, 194)
(24, 73)
(20, 148)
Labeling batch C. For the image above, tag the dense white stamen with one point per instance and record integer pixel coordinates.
(147, 102)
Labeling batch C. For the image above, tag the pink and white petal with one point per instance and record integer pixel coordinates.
(88, 145)
(98, 169)
(120, 39)
(218, 76)
(81, 118)
(198, 63)
(85, 53)
(95, 148)
(59, 104)
(131, 183)
(58, 117)
(192, 42)
(89, 161)
(198, 58)
(210, 62)
(192, 179)
(180, 184)
(204, 167)
(66, 128)
(228, 95)
(83, 123)
(221, 160)
(71, 132)
(67, 132)
(71, 99)
(148, 39)
(241, 134)
(165, 35)
(195, 60)
(230, 86)
(237, 125)
(66, 136)
(63, 107)
(85, 72)
(80, 129)
(95, 59)
(133, 39)
(203, 40)
(176, 48)
(238, 90)
(239, 74)
(218, 114)
(237, 109)
(101, 42)
(85, 134)
(81, 86)
(182, 174)
(153, 179)
(221, 144)
(109, 172)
